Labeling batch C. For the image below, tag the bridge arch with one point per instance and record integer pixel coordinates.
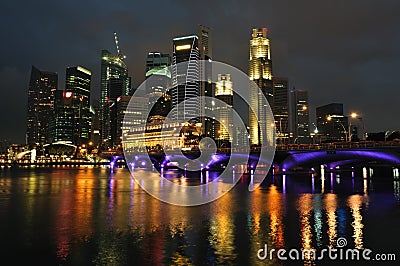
(339, 157)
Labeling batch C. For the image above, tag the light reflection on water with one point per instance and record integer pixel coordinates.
(90, 215)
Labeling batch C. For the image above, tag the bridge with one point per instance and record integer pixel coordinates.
(292, 156)
(337, 154)
(287, 157)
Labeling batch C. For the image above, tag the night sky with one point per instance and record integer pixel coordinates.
(340, 51)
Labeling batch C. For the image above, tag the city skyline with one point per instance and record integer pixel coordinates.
(309, 63)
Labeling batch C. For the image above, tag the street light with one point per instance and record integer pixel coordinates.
(347, 132)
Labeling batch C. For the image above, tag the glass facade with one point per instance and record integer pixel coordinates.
(157, 87)
(62, 126)
(331, 123)
(77, 81)
(115, 82)
(185, 78)
(280, 108)
(302, 118)
(41, 93)
(206, 87)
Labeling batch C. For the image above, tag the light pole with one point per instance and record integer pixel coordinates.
(386, 134)
(347, 132)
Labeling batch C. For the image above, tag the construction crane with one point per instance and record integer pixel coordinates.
(119, 53)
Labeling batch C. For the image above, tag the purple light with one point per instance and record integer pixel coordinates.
(143, 163)
(112, 164)
(341, 157)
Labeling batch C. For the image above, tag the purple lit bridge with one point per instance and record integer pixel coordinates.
(287, 157)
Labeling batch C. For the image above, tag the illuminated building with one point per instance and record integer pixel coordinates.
(156, 62)
(158, 80)
(224, 93)
(115, 82)
(77, 81)
(62, 125)
(42, 87)
(301, 118)
(185, 78)
(331, 123)
(156, 134)
(134, 115)
(280, 108)
(95, 131)
(260, 71)
(206, 87)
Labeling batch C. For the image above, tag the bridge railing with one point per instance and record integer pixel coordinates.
(338, 145)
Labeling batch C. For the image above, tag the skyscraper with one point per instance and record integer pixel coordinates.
(331, 123)
(77, 81)
(115, 82)
(224, 93)
(158, 79)
(134, 115)
(280, 108)
(206, 86)
(260, 71)
(62, 125)
(185, 78)
(42, 87)
(301, 117)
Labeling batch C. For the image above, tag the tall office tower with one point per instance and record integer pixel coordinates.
(331, 123)
(260, 71)
(158, 80)
(62, 125)
(280, 108)
(224, 93)
(134, 115)
(77, 81)
(185, 78)
(301, 118)
(115, 82)
(95, 131)
(42, 87)
(206, 86)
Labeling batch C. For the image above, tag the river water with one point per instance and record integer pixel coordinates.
(92, 216)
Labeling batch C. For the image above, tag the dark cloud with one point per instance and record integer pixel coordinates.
(343, 51)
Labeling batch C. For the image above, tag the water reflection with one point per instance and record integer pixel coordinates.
(318, 222)
(86, 216)
(222, 232)
(305, 207)
(330, 203)
(275, 203)
(355, 202)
